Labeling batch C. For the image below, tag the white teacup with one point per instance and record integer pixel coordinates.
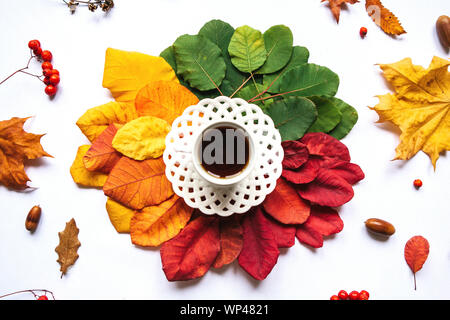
(216, 180)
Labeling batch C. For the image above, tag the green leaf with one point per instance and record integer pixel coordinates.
(246, 49)
(168, 55)
(250, 91)
(300, 56)
(309, 80)
(220, 33)
(278, 41)
(349, 118)
(199, 61)
(292, 116)
(328, 115)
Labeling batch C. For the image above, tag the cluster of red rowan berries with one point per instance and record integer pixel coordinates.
(354, 295)
(51, 75)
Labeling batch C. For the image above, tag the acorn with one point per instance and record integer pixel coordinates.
(33, 217)
(380, 227)
(443, 30)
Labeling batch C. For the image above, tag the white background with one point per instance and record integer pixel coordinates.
(110, 266)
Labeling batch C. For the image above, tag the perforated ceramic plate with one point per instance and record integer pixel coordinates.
(198, 192)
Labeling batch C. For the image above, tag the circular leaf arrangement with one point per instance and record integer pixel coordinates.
(151, 92)
(195, 190)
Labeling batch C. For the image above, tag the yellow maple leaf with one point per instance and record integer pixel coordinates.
(420, 107)
(155, 225)
(94, 121)
(127, 72)
(81, 175)
(119, 215)
(142, 138)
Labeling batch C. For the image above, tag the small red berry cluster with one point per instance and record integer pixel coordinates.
(354, 295)
(51, 75)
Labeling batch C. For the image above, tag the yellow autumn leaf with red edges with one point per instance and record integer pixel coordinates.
(164, 99)
(420, 107)
(81, 175)
(155, 225)
(97, 119)
(119, 215)
(142, 138)
(127, 72)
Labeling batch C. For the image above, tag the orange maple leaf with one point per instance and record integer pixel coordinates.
(16, 146)
(336, 5)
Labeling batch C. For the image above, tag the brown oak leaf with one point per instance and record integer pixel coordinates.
(17, 146)
(68, 246)
(336, 5)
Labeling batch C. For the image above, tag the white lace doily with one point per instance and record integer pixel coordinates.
(198, 192)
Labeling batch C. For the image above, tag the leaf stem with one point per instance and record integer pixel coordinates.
(31, 291)
(242, 85)
(265, 90)
(415, 284)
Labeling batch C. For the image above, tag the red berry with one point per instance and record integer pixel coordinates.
(417, 183)
(55, 71)
(47, 72)
(343, 295)
(47, 65)
(44, 297)
(364, 295)
(37, 52)
(335, 297)
(47, 81)
(363, 32)
(50, 90)
(47, 55)
(34, 44)
(54, 79)
(354, 295)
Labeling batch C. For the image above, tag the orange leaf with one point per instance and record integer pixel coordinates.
(101, 156)
(416, 253)
(383, 18)
(164, 99)
(192, 252)
(335, 6)
(230, 241)
(285, 205)
(16, 146)
(138, 184)
(154, 225)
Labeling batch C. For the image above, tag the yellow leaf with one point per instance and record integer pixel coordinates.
(97, 119)
(81, 175)
(127, 72)
(383, 18)
(155, 225)
(164, 99)
(142, 138)
(119, 215)
(420, 107)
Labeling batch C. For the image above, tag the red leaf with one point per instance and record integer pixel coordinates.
(416, 253)
(192, 252)
(101, 156)
(350, 172)
(284, 234)
(306, 173)
(231, 241)
(324, 220)
(260, 251)
(327, 189)
(321, 144)
(309, 236)
(295, 154)
(285, 205)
